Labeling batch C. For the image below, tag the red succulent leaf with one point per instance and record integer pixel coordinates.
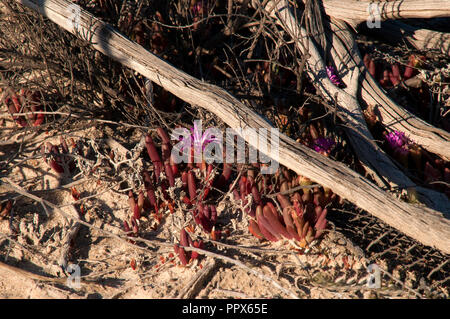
(256, 195)
(275, 222)
(137, 211)
(254, 229)
(184, 238)
(149, 188)
(56, 166)
(264, 225)
(431, 173)
(75, 194)
(183, 255)
(287, 217)
(126, 227)
(283, 200)
(154, 156)
(192, 187)
(213, 214)
(6, 209)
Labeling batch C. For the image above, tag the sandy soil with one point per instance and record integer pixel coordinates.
(32, 240)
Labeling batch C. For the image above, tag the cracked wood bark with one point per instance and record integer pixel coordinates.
(395, 117)
(373, 158)
(356, 11)
(420, 38)
(348, 55)
(421, 223)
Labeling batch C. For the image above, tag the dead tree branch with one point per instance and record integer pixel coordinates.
(342, 51)
(356, 11)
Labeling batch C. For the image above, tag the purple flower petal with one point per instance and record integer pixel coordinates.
(196, 138)
(398, 142)
(331, 72)
(396, 139)
(322, 144)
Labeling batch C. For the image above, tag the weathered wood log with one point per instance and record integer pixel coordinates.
(356, 11)
(420, 38)
(423, 224)
(341, 50)
(394, 117)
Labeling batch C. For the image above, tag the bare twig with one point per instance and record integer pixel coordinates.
(193, 287)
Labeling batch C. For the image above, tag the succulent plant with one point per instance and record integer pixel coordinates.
(301, 220)
(22, 102)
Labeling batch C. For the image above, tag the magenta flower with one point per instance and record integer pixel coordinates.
(197, 138)
(323, 145)
(398, 141)
(331, 72)
(199, 8)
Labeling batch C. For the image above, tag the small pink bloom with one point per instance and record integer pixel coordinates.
(322, 144)
(398, 142)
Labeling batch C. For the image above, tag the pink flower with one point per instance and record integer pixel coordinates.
(331, 72)
(199, 8)
(398, 142)
(323, 145)
(197, 137)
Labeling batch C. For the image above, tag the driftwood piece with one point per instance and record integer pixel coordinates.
(197, 282)
(356, 11)
(342, 50)
(394, 117)
(348, 55)
(423, 224)
(420, 38)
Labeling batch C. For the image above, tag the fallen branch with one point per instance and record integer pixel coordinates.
(193, 287)
(356, 11)
(342, 51)
(420, 38)
(423, 224)
(68, 240)
(394, 117)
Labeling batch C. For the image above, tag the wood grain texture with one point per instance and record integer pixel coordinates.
(419, 37)
(394, 117)
(357, 11)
